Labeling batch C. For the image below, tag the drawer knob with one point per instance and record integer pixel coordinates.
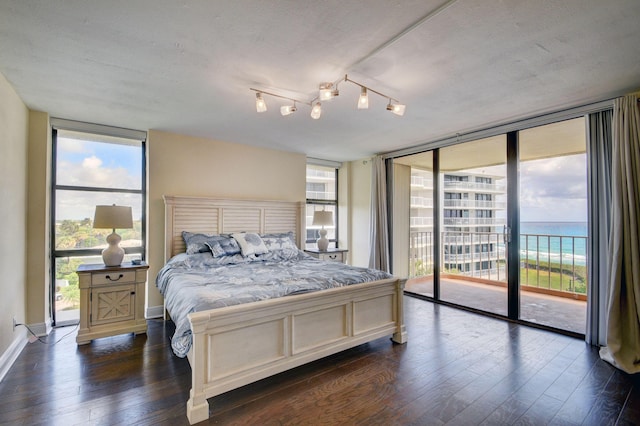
(111, 279)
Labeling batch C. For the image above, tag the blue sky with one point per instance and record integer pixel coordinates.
(97, 164)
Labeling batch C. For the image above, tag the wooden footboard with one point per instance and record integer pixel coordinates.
(238, 345)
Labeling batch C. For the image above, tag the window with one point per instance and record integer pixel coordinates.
(92, 165)
(322, 194)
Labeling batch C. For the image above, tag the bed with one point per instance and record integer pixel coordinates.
(232, 345)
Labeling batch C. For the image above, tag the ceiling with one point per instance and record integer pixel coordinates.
(187, 66)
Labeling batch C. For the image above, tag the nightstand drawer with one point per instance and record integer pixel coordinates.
(335, 257)
(113, 277)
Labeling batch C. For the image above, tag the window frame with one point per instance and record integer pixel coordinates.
(323, 202)
(54, 254)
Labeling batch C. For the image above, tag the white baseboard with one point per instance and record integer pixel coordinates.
(13, 351)
(155, 312)
(41, 329)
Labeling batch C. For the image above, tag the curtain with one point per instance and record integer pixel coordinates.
(599, 150)
(379, 234)
(623, 328)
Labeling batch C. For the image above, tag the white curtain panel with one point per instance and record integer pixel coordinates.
(623, 328)
(599, 150)
(379, 234)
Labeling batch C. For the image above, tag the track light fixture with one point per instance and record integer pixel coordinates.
(261, 106)
(288, 109)
(397, 109)
(363, 101)
(316, 111)
(326, 92)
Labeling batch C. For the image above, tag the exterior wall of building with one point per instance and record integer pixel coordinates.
(470, 224)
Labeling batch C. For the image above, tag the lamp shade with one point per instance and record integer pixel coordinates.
(322, 218)
(113, 217)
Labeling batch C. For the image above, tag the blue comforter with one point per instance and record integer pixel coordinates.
(197, 282)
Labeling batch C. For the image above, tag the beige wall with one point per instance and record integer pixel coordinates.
(360, 216)
(14, 117)
(183, 165)
(39, 182)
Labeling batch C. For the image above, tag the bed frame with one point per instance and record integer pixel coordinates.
(237, 345)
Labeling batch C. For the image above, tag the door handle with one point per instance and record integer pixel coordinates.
(506, 234)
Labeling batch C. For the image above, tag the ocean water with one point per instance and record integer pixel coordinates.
(557, 242)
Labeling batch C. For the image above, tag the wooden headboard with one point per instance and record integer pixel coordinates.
(218, 216)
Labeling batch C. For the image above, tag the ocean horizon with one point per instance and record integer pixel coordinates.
(558, 242)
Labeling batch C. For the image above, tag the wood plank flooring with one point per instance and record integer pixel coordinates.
(458, 368)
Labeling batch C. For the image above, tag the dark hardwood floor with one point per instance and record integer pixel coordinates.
(458, 368)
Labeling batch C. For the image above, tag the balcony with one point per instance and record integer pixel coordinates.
(461, 221)
(451, 186)
(473, 273)
(475, 204)
(421, 202)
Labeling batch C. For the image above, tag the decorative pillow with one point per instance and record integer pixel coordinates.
(250, 243)
(282, 241)
(196, 242)
(229, 245)
(215, 248)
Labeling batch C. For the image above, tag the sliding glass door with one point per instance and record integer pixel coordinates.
(499, 225)
(553, 225)
(473, 267)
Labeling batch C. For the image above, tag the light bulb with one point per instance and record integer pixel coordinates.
(316, 111)
(288, 109)
(326, 91)
(261, 106)
(363, 101)
(397, 109)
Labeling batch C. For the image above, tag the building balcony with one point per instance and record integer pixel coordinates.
(418, 202)
(552, 274)
(475, 204)
(457, 186)
(461, 221)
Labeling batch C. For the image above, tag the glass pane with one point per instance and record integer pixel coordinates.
(312, 230)
(473, 268)
(421, 229)
(553, 225)
(321, 183)
(74, 218)
(67, 293)
(98, 161)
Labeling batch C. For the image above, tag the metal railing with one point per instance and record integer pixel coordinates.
(477, 186)
(478, 204)
(552, 262)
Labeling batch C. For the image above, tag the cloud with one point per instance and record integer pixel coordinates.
(554, 189)
(92, 162)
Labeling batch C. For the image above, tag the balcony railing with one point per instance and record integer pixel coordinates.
(550, 262)
(457, 221)
(421, 202)
(477, 204)
(475, 186)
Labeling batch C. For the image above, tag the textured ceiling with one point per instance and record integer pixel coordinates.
(187, 66)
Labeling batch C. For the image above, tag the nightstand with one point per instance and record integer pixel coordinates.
(335, 255)
(111, 300)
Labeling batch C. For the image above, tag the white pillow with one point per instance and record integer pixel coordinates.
(250, 243)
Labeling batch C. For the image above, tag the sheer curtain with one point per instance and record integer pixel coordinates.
(379, 234)
(623, 328)
(599, 149)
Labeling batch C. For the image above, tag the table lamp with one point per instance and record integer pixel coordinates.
(114, 217)
(322, 218)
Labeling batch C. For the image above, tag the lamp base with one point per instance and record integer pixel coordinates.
(322, 242)
(113, 255)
